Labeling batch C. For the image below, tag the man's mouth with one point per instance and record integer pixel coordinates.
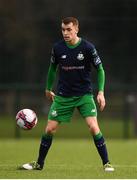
(66, 37)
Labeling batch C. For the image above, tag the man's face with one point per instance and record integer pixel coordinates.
(69, 32)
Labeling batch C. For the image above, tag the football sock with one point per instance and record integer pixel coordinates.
(101, 147)
(45, 144)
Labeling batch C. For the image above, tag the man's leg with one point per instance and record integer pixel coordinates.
(45, 144)
(46, 141)
(99, 142)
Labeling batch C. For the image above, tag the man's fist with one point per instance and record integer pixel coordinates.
(101, 100)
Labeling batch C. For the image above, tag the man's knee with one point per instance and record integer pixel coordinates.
(50, 130)
(93, 125)
(51, 127)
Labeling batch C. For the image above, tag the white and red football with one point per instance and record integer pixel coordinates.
(26, 119)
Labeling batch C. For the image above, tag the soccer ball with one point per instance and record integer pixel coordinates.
(26, 119)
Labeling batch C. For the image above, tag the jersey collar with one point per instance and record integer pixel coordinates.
(73, 46)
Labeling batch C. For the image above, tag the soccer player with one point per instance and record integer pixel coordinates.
(74, 57)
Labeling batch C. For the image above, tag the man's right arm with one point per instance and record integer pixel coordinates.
(50, 80)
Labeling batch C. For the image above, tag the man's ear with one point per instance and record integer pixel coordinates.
(77, 29)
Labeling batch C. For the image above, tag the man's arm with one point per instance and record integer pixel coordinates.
(101, 84)
(50, 80)
(101, 77)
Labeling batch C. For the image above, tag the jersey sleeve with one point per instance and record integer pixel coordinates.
(53, 58)
(101, 77)
(52, 70)
(51, 76)
(93, 56)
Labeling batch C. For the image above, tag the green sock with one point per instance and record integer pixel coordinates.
(97, 136)
(47, 136)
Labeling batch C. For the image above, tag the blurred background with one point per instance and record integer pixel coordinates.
(28, 30)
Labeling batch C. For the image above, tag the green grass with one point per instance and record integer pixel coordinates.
(68, 158)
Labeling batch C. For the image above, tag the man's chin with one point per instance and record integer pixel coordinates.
(67, 40)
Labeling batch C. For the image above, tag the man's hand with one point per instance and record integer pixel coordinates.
(101, 100)
(50, 95)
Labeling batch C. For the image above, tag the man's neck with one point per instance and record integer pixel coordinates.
(74, 41)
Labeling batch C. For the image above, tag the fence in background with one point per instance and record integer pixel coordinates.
(121, 103)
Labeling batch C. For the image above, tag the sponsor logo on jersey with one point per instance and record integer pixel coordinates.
(97, 60)
(94, 52)
(80, 56)
(67, 68)
(64, 56)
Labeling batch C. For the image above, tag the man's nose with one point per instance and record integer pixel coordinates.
(65, 32)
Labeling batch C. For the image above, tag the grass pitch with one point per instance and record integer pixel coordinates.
(68, 158)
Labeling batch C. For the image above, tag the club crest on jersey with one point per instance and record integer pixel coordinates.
(54, 113)
(80, 56)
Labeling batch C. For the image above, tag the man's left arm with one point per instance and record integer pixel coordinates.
(96, 61)
(101, 84)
